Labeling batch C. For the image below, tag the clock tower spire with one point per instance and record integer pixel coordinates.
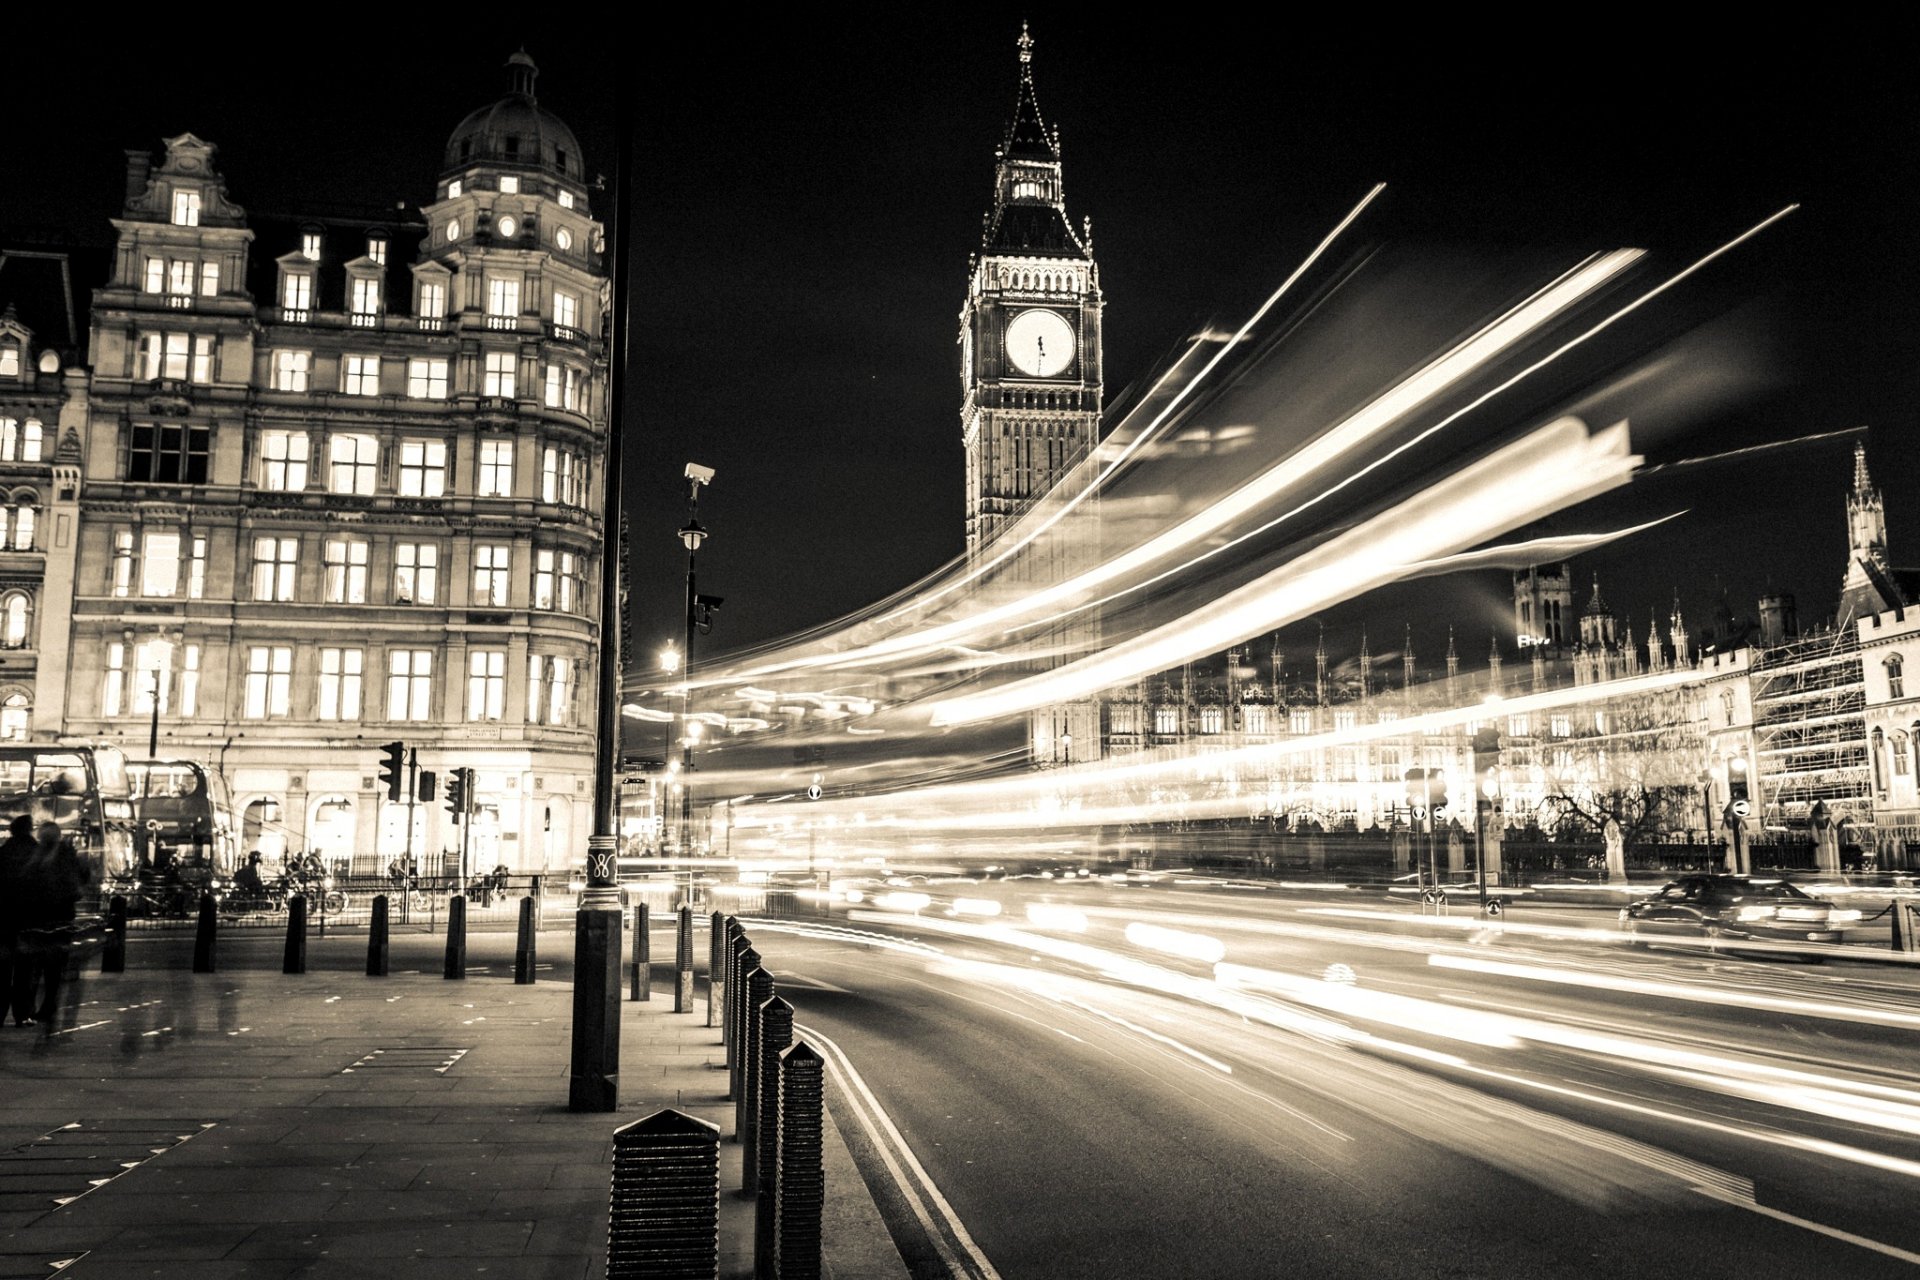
(1030, 364)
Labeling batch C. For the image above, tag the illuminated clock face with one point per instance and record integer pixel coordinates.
(1040, 343)
(507, 227)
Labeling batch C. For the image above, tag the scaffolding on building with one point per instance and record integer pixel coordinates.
(1810, 733)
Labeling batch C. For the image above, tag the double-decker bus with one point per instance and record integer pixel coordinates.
(183, 823)
(83, 791)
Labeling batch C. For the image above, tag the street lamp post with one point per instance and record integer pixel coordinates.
(699, 612)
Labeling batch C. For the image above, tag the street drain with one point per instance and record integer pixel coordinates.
(409, 1058)
(78, 1159)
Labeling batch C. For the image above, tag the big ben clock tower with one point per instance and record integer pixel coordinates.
(1030, 371)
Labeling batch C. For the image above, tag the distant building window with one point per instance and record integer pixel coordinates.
(276, 563)
(566, 202)
(498, 378)
(9, 359)
(454, 189)
(409, 684)
(269, 681)
(491, 574)
(21, 517)
(1519, 726)
(120, 579)
(114, 689)
(154, 279)
(563, 477)
(566, 310)
(181, 357)
(346, 571)
(509, 185)
(159, 562)
(186, 208)
(1562, 726)
(427, 378)
(16, 713)
(496, 469)
(1166, 721)
(433, 300)
(168, 453)
(1213, 719)
(353, 462)
(292, 370)
(377, 249)
(296, 296)
(310, 245)
(209, 279)
(1300, 721)
(20, 441)
(423, 468)
(1256, 717)
(18, 622)
(1900, 758)
(360, 375)
(486, 684)
(557, 583)
(1343, 721)
(197, 573)
(180, 284)
(549, 690)
(1896, 676)
(340, 675)
(283, 461)
(366, 302)
(503, 301)
(416, 573)
(563, 388)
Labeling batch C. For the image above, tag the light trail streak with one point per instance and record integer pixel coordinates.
(1553, 467)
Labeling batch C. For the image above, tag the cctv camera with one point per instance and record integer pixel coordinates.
(699, 474)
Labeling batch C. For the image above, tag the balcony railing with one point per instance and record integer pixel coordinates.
(364, 319)
(508, 323)
(567, 333)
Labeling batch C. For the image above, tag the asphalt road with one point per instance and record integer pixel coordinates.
(1455, 1101)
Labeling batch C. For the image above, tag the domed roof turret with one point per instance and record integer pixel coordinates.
(515, 133)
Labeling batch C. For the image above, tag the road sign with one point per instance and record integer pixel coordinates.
(1740, 808)
(813, 789)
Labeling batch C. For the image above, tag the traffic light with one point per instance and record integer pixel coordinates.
(1737, 786)
(426, 786)
(1436, 791)
(457, 793)
(1486, 762)
(393, 768)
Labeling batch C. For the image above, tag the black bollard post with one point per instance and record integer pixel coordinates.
(776, 1036)
(205, 936)
(746, 1117)
(525, 945)
(664, 1219)
(294, 958)
(113, 956)
(716, 984)
(456, 966)
(740, 945)
(640, 984)
(1902, 913)
(745, 966)
(683, 964)
(800, 1184)
(377, 938)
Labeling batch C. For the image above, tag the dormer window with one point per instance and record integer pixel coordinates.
(9, 360)
(566, 199)
(296, 296)
(366, 302)
(509, 185)
(454, 189)
(186, 208)
(377, 249)
(310, 245)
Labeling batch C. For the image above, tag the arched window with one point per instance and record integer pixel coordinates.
(1896, 676)
(261, 828)
(1900, 758)
(16, 621)
(16, 711)
(22, 514)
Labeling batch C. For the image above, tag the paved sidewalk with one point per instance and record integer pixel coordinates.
(247, 1123)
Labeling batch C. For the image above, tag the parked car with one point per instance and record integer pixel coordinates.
(1721, 908)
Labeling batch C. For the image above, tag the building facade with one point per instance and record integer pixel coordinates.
(336, 489)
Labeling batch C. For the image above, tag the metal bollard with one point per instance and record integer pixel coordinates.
(1903, 921)
(683, 964)
(525, 946)
(113, 956)
(294, 958)
(642, 975)
(206, 935)
(716, 984)
(746, 1114)
(456, 966)
(664, 1219)
(800, 1184)
(740, 944)
(745, 967)
(377, 938)
(776, 1036)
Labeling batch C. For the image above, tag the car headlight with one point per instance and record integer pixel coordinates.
(1754, 913)
(1845, 916)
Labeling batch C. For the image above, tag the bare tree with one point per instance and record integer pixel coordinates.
(1635, 760)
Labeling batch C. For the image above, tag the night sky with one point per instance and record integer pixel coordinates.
(810, 190)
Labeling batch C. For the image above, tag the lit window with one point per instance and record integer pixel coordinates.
(566, 202)
(543, 592)
(155, 278)
(1896, 676)
(283, 461)
(186, 208)
(16, 713)
(20, 441)
(366, 302)
(121, 581)
(1213, 719)
(496, 469)
(197, 571)
(498, 379)
(153, 671)
(340, 674)
(433, 300)
(566, 310)
(1343, 721)
(563, 239)
(454, 189)
(202, 370)
(427, 378)
(509, 185)
(549, 690)
(423, 468)
(159, 562)
(1166, 721)
(377, 249)
(209, 279)
(491, 574)
(9, 360)
(168, 453)
(18, 533)
(1300, 722)
(310, 245)
(114, 689)
(275, 566)
(180, 357)
(1562, 726)
(352, 463)
(346, 576)
(453, 228)
(179, 284)
(361, 375)
(269, 680)
(486, 684)
(15, 636)
(503, 298)
(416, 572)
(1519, 726)
(190, 681)
(563, 387)
(507, 227)
(296, 295)
(292, 370)
(1256, 719)
(563, 477)
(409, 684)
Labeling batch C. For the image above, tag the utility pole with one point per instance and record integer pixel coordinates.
(413, 795)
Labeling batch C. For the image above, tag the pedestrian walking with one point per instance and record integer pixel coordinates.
(16, 908)
(57, 879)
